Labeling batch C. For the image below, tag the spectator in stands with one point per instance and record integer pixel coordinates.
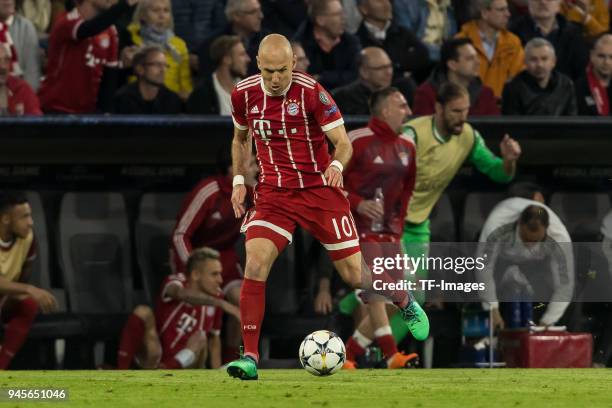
(244, 19)
(332, 51)
(302, 63)
(433, 21)
(408, 54)
(500, 52)
(38, 12)
(593, 90)
(375, 73)
(83, 46)
(284, 16)
(539, 89)
(25, 43)
(207, 218)
(21, 300)
(153, 25)
(529, 255)
(195, 20)
(544, 20)
(16, 95)
(184, 331)
(459, 64)
(148, 95)
(593, 15)
(602, 349)
(212, 97)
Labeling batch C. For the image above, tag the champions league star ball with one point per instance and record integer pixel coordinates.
(322, 353)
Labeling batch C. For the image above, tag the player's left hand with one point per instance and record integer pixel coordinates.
(333, 175)
(510, 148)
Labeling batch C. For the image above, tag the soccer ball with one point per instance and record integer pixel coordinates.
(322, 353)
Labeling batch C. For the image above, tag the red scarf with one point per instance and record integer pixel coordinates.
(599, 92)
(5, 38)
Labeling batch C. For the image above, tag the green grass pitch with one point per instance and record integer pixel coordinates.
(297, 388)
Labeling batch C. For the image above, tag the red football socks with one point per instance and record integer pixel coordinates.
(356, 345)
(132, 337)
(252, 308)
(385, 340)
(17, 329)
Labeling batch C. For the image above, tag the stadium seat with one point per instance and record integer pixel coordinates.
(156, 220)
(442, 221)
(476, 210)
(94, 252)
(582, 213)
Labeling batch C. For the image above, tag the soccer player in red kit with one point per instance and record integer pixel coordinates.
(187, 320)
(207, 219)
(19, 301)
(386, 161)
(82, 44)
(290, 115)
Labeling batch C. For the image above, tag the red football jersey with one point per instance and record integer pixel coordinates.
(75, 67)
(206, 219)
(289, 130)
(177, 321)
(381, 159)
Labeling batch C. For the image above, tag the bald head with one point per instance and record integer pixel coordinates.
(275, 46)
(375, 68)
(276, 62)
(601, 57)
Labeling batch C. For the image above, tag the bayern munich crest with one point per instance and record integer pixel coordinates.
(292, 107)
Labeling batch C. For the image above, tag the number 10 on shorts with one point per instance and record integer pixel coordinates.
(347, 229)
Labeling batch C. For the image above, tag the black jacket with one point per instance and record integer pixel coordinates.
(352, 99)
(283, 16)
(129, 101)
(203, 100)
(568, 40)
(523, 96)
(408, 53)
(584, 98)
(335, 69)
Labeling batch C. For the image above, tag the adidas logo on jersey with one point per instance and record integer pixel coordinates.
(378, 160)
(255, 109)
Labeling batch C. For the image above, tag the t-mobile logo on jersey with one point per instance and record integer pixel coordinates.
(262, 128)
(186, 323)
(249, 327)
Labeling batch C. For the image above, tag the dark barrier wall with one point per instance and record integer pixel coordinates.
(172, 151)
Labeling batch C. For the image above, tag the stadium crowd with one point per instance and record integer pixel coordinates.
(428, 57)
(517, 57)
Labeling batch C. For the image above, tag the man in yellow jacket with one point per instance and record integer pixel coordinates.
(500, 51)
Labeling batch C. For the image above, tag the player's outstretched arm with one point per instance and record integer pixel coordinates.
(195, 297)
(241, 153)
(342, 155)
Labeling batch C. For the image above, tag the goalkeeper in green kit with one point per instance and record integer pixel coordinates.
(444, 142)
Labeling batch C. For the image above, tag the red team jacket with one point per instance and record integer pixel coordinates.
(177, 320)
(75, 67)
(288, 129)
(206, 219)
(381, 158)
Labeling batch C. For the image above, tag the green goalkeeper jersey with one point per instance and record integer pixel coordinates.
(438, 160)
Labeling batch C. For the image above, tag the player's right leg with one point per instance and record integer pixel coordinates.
(139, 335)
(260, 255)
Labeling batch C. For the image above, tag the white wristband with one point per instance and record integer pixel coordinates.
(185, 357)
(238, 180)
(337, 165)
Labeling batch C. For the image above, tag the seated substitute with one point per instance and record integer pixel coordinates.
(19, 301)
(183, 332)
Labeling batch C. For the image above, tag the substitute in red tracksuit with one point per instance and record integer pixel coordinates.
(383, 160)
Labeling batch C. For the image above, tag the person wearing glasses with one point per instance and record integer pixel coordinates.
(375, 73)
(148, 94)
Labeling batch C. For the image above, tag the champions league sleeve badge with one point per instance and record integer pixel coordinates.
(323, 98)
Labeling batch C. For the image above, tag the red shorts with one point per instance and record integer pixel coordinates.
(232, 271)
(322, 211)
(375, 247)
